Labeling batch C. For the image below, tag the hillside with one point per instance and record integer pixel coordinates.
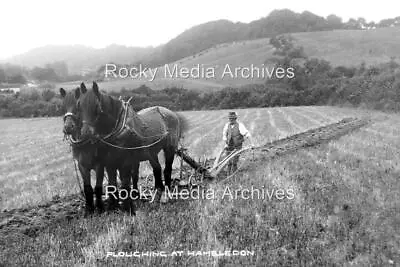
(280, 21)
(234, 54)
(342, 47)
(191, 41)
(351, 47)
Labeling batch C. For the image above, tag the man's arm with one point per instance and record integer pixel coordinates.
(243, 131)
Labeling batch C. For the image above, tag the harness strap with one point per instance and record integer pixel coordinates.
(124, 113)
(76, 143)
(137, 147)
(117, 130)
(69, 114)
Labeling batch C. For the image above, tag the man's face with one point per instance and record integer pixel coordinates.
(232, 120)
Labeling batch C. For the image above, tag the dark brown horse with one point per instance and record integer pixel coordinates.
(88, 155)
(83, 151)
(142, 135)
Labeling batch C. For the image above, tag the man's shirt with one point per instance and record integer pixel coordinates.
(242, 129)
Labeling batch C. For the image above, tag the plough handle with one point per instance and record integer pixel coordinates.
(219, 167)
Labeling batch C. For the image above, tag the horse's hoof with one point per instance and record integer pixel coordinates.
(88, 212)
(112, 204)
(128, 207)
(100, 210)
(100, 207)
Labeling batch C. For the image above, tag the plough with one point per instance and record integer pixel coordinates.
(218, 166)
(291, 143)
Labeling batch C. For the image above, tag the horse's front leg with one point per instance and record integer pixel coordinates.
(112, 187)
(87, 189)
(169, 160)
(127, 202)
(98, 190)
(135, 179)
(159, 186)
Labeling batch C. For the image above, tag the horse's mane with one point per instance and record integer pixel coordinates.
(112, 104)
(69, 100)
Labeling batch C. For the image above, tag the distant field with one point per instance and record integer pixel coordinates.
(345, 210)
(352, 47)
(158, 84)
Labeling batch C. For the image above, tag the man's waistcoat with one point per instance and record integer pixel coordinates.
(235, 139)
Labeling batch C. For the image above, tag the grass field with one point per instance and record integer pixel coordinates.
(345, 208)
(352, 47)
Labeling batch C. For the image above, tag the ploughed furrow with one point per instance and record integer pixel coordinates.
(30, 220)
(313, 137)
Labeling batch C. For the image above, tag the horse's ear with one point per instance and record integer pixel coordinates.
(83, 88)
(77, 93)
(62, 92)
(96, 89)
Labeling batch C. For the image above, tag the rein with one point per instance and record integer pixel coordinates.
(136, 147)
(76, 143)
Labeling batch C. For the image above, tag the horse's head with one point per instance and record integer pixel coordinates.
(97, 112)
(71, 118)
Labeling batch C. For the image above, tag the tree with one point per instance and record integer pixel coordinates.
(334, 22)
(362, 23)
(353, 24)
(60, 68)
(44, 74)
(18, 78)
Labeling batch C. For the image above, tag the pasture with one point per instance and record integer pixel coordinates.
(345, 208)
(352, 47)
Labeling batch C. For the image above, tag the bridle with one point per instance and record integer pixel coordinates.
(74, 142)
(70, 114)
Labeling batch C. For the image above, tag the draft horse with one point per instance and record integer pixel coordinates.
(83, 151)
(88, 155)
(140, 135)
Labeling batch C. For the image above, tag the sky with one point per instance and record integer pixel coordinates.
(28, 24)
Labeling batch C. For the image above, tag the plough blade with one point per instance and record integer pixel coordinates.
(212, 173)
(192, 163)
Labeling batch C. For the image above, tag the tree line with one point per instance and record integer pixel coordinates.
(53, 72)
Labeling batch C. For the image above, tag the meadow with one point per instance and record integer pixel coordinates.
(345, 208)
(352, 47)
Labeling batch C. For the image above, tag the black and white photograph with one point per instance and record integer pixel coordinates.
(199, 133)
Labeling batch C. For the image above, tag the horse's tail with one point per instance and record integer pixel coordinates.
(183, 124)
